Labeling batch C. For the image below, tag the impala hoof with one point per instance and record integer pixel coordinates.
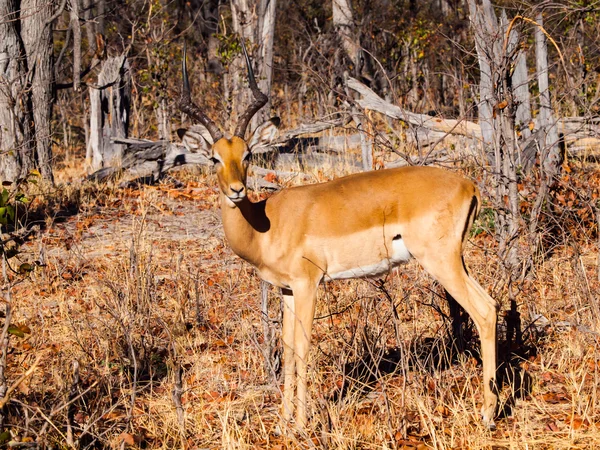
(488, 420)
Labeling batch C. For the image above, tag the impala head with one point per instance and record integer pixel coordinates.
(230, 155)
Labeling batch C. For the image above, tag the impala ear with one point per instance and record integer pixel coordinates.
(265, 133)
(196, 139)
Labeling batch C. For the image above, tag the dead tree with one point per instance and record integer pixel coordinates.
(25, 88)
(109, 113)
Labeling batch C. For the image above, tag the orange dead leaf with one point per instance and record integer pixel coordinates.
(442, 410)
(127, 438)
(551, 426)
(576, 422)
(270, 177)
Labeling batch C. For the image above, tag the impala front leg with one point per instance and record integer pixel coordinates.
(305, 299)
(289, 369)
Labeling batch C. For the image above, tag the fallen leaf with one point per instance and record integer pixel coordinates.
(127, 438)
(576, 422)
(443, 410)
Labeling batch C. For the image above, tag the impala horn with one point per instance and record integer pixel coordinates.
(187, 106)
(260, 99)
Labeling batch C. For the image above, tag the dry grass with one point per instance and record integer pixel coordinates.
(140, 284)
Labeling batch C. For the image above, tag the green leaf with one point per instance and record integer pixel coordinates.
(4, 197)
(5, 437)
(16, 331)
(25, 268)
(10, 212)
(20, 197)
(35, 173)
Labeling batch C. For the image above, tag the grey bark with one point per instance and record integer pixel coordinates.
(16, 135)
(147, 162)
(211, 26)
(497, 120)
(90, 25)
(486, 33)
(551, 157)
(74, 24)
(244, 23)
(266, 38)
(36, 30)
(109, 114)
(254, 21)
(344, 26)
(370, 100)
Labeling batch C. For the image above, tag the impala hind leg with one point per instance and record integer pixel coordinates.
(289, 369)
(450, 272)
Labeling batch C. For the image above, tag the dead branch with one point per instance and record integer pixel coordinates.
(581, 134)
(370, 100)
(306, 128)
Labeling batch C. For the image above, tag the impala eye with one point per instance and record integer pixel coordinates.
(214, 160)
(247, 156)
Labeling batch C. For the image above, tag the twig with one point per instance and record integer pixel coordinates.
(176, 395)
(71, 411)
(22, 378)
(4, 339)
(74, 24)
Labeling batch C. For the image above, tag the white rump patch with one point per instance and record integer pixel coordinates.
(400, 254)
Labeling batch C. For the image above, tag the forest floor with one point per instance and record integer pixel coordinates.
(138, 288)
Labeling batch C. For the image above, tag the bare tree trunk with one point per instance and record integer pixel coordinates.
(74, 23)
(497, 120)
(522, 99)
(549, 143)
(16, 133)
(485, 27)
(344, 25)
(244, 21)
(37, 37)
(109, 113)
(90, 24)
(211, 26)
(266, 39)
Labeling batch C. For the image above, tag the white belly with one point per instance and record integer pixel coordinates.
(399, 254)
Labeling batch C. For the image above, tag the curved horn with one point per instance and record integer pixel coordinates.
(187, 106)
(260, 99)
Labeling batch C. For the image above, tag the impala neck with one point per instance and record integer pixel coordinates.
(244, 223)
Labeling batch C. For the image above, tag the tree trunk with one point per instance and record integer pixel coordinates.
(17, 144)
(267, 37)
(244, 25)
(497, 120)
(210, 12)
(344, 25)
(37, 37)
(254, 21)
(485, 30)
(109, 113)
(551, 157)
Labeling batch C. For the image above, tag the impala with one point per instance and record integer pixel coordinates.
(357, 226)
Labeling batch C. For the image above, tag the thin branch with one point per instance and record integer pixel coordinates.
(22, 378)
(74, 24)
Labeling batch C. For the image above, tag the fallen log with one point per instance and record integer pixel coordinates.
(147, 162)
(581, 134)
(370, 100)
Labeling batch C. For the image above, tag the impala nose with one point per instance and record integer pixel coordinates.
(237, 191)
